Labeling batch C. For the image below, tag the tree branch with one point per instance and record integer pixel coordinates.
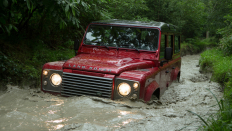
(29, 17)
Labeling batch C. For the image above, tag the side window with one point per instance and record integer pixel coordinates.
(177, 44)
(170, 41)
(162, 46)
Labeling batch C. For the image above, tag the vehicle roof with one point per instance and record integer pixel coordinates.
(164, 27)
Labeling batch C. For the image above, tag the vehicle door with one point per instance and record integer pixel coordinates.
(176, 58)
(165, 70)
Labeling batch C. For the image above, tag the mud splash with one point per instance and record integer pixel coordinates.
(30, 109)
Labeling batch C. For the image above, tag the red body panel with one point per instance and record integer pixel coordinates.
(57, 65)
(106, 64)
(150, 89)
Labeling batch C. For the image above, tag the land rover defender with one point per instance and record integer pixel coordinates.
(118, 59)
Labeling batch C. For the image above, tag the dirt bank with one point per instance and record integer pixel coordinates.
(23, 109)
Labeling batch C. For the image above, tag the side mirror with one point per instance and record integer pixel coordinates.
(168, 53)
(76, 44)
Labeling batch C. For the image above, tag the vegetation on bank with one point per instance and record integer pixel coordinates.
(194, 46)
(219, 62)
(215, 61)
(25, 62)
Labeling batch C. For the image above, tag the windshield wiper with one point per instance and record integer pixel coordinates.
(131, 48)
(101, 44)
(136, 49)
(106, 46)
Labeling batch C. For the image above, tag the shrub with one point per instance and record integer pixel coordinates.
(22, 63)
(226, 41)
(214, 61)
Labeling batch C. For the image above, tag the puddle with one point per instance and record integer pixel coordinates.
(34, 110)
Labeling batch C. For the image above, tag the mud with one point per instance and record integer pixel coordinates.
(31, 109)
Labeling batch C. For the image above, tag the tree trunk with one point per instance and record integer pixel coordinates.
(207, 34)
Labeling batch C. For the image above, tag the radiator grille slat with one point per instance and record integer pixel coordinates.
(86, 83)
(78, 84)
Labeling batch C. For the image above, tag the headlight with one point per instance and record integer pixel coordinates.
(45, 72)
(56, 79)
(136, 85)
(124, 89)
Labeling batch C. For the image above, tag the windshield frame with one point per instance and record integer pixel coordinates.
(124, 48)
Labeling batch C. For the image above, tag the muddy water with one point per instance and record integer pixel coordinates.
(31, 109)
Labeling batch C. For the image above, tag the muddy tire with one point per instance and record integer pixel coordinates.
(153, 97)
(152, 100)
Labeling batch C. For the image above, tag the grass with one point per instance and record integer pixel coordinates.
(215, 61)
(222, 121)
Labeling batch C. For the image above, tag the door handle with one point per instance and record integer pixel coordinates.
(173, 67)
(166, 71)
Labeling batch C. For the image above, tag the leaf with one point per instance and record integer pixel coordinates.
(62, 23)
(10, 27)
(84, 5)
(12, 14)
(15, 28)
(14, 1)
(199, 117)
(2, 21)
(66, 8)
(28, 4)
(5, 3)
(73, 11)
(7, 30)
(78, 1)
(220, 104)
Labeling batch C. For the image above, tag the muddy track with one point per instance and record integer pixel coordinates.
(31, 109)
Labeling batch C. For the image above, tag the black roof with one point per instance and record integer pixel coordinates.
(164, 27)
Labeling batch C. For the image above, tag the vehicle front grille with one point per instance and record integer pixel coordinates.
(77, 85)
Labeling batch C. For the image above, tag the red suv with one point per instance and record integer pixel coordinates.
(118, 59)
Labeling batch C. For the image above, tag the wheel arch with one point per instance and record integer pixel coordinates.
(157, 93)
(152, 88)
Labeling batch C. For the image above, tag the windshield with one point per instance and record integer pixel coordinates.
(124, 37)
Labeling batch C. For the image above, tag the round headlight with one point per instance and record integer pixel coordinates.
(124, 89)
(56, 79)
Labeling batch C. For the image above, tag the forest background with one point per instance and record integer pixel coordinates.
(33, 32)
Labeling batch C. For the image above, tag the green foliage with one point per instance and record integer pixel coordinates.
(228, 90)
(226, 42)
(222, 72)
(35, 16)
(216, 10)
(27, 65)
(187, 48)
(196, 45)
(221, 65)
(188, 15)
(126, 9)
(203, 44)
(8, 69)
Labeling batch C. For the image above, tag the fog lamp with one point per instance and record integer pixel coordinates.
(45, 82)
(124, 89)
(45, 72)
(135, 85)
(56, 79)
